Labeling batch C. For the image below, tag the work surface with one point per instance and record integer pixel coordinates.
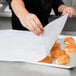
(26, 69)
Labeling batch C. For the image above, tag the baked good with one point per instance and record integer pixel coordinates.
(57, 53)
(56, 46)
(48, 59)
(69, 40)
(63, 60)
(70, 49)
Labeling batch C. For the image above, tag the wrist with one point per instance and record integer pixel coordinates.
(22, 13)
(61, 8)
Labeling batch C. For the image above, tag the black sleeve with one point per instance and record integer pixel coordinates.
(55, 5)
(9, 2)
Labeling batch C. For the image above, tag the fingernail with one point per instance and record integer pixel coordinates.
(42, 32)
(42, 29)
(38, 34)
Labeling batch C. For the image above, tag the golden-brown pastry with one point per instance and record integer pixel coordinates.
(57, 53)
(69, 40)
(63, 60)
(70, 49)
(48, 59)
(56, 46)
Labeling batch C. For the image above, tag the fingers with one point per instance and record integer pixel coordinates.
(33, 27)
(36, 27)
(38, 23)
(69, 11)
(32, 23)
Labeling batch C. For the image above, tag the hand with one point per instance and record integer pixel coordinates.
(66, 10)
(69, 11)
(32, 23)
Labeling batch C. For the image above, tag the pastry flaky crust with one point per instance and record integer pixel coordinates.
(57, 53)
(69, 40)
(48, 59)
(56, 46)
(70, 49)
(63, 60)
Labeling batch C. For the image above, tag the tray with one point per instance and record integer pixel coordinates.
(72, 63)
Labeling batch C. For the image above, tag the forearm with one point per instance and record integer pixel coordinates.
(28, 20)
(18, 8)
